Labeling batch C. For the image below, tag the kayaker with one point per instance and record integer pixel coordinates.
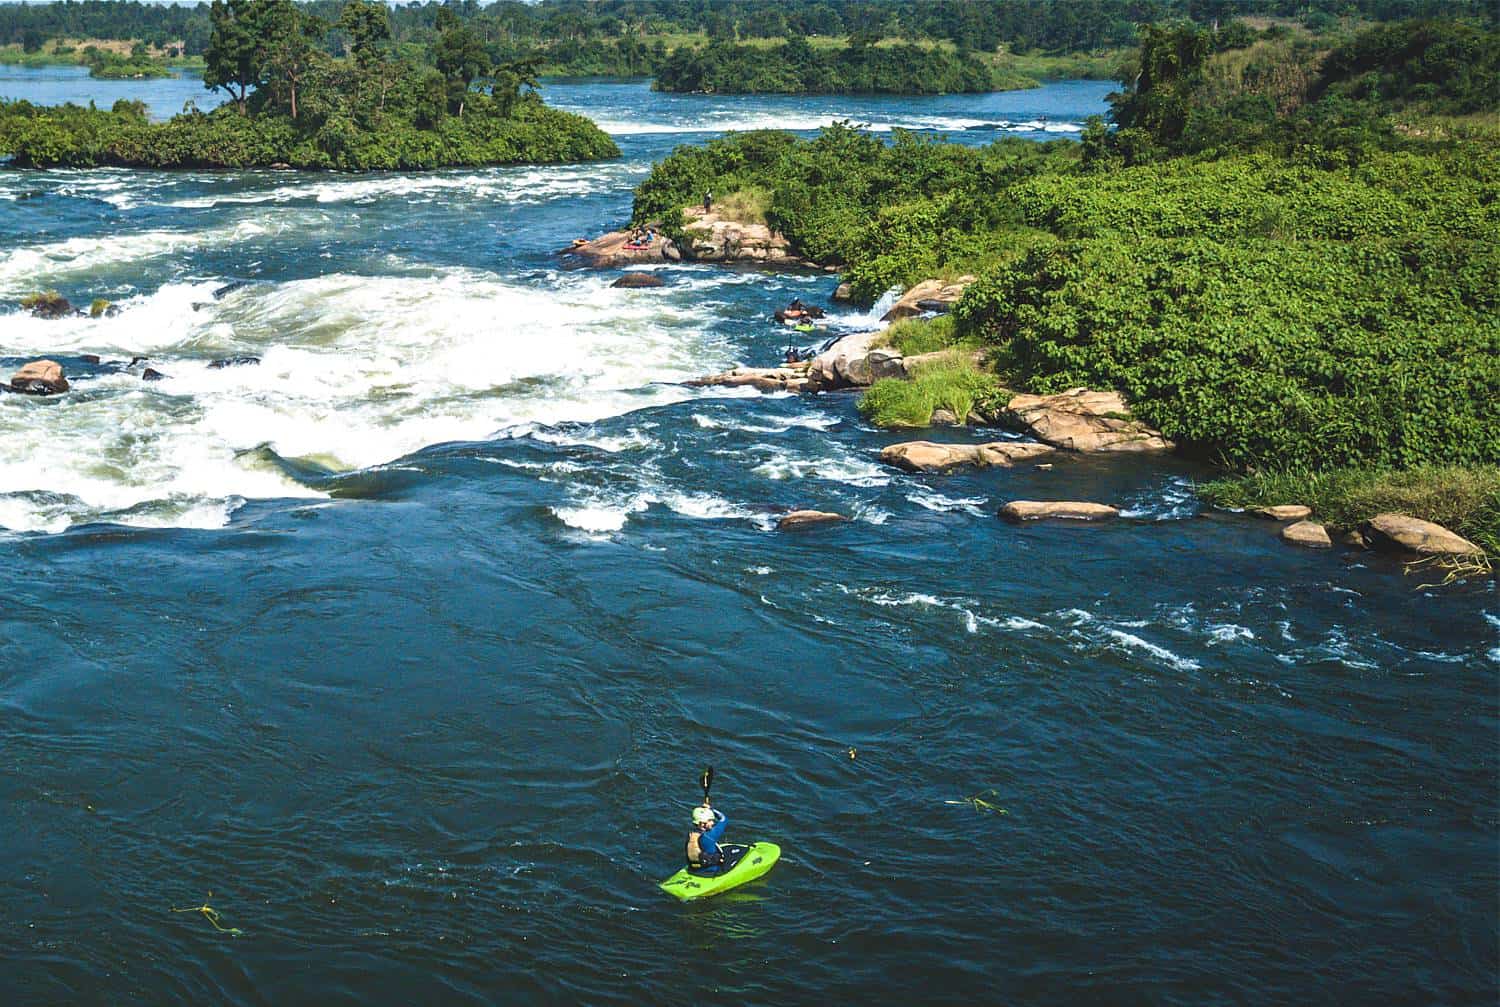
(703, 853)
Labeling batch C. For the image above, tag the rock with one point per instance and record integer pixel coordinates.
(844, 292)
(807, 519)
(845, 364)
(637, 281)
(90, 358)
(1402, 533)
(671, 252)
(943, 418)
(1308, 534)
(926, 456)
(103, 309)
(280, 166)
(1285, 512)
(709, 237)
(152, 374)
(48, 304)
(39, 377)
(229, 288)
(241, 361)
(791, 378)
(1070, 510)
(929, 295)
(1081, 420)
(609, 251)
(1356, 538)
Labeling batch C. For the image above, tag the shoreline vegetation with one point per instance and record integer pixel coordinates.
(294, 103)
(1281, 252)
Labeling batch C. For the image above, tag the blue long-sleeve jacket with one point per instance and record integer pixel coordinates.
(708, 841)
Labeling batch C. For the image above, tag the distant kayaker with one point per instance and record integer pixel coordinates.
(703, 853)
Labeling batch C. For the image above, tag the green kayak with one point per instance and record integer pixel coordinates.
(758, 859)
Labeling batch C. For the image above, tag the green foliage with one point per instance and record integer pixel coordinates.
(1465, 499)
(914, 336)
(953, 383)
(795, 67)
(1268, 314)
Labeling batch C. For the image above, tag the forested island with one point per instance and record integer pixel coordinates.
(1282, 254)
(295, 102)
(795, 67)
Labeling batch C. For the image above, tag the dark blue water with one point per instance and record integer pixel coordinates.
(409, 643)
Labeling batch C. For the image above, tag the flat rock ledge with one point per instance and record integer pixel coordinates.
(610, 251)
(791, 378)
(799, 519)
(1085, 421)
(39, 377)
(1308, 534)
(1400, 533)
(926, 456)
(1284, 512)
(1066, 510)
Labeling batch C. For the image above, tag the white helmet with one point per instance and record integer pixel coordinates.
(703, 816)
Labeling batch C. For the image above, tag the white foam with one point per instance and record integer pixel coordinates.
(1131, 641)
(932, 500)
(596, 520)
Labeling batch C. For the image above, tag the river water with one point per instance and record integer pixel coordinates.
(403, 649)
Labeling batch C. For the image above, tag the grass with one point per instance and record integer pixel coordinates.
(913, 336)
(954, 383)
(1461, 498)
(1101, 64)
(747, 205)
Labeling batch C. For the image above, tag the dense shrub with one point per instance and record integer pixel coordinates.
(795, 67)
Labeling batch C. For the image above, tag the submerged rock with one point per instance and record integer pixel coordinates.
(1285, 512)
(926, 456)
(1081, 420)
(152, 374)
(638, 281)
(102, 308)
(239, 361)
(807, 519)
(1408, 534)
(1308, 534)
(39, 377)
(47, 304)
(1067, 510)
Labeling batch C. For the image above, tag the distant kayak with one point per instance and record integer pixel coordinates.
(758, 858)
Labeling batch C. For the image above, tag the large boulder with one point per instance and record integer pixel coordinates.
(1308, 534)
(843, 293)
(799, 519)
(1081, 420)
(1397, 532)
(929, 295)
(1068, 510)
(846, 363)
(791, 378)
(637, 281)
(926, 456)
(39, 377)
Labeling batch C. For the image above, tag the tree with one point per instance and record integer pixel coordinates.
(508, 79)
(460, 57)
(232, 61)
(369, 27)
(289, 46)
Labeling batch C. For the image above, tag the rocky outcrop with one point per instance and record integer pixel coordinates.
(638, 281)
(1081, 420)
(616, 249)
(47, 304)
(102, 308)
(152, 374)
(1285, 512)
(1308, 534)
(929, 295)
(709, 237)
(1067, 510)
(843, 293)
(926, 456)
(791, 378)
(799, 519)
(1399, 533)
(39, 377)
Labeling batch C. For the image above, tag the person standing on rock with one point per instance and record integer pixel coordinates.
(708, 200)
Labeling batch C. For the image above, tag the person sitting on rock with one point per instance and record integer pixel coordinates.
(703, 853)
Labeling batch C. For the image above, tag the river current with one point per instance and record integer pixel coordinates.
(403, 649)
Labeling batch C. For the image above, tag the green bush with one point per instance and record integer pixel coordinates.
(954, 384)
